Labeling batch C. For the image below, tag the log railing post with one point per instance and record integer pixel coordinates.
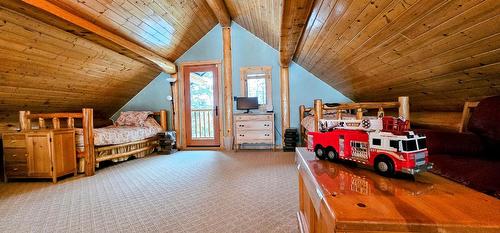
(163, 119)
(404, 108)
(41, 123)
(318, 113)
(380, 112)
(71, 122)
(302, 112)
(359, 114)
(24, 122)
(88, 139)
(56, 124)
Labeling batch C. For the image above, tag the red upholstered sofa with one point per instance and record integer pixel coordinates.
(471, 158)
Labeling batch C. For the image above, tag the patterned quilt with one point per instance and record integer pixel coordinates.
(113, 135)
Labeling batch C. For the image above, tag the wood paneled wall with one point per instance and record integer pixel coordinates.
(46, 69)
(440, 53)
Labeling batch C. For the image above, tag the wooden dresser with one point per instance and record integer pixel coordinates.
(46, 153)
(334, 197)
(254, 128)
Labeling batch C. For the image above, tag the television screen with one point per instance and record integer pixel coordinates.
(246, 103)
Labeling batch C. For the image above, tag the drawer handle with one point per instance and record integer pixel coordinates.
(15, 169)
(14, 155)
(26, 155)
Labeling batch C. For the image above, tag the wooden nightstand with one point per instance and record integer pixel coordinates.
(46, 153)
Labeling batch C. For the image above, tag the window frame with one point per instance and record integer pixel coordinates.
(267, 70)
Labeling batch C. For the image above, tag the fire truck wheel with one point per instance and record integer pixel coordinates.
(331, 154)
(384, 166)
(320, 152)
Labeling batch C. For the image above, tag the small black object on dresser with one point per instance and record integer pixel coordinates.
(291, 138)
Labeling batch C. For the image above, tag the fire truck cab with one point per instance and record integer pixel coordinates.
(388, 147)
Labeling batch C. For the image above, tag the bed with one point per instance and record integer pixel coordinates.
(133, 134)
(309, 116)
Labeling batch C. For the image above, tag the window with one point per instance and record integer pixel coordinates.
(256, 82)
(394, 144)
(422, 143)
(377, 142)
(410, 145)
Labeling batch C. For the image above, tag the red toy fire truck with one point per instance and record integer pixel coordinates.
(385, 144)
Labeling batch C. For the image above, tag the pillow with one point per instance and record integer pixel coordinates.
(132, 118)
(152, 123)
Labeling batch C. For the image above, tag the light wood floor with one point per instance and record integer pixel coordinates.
(191, 191)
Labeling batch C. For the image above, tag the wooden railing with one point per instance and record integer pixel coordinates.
(202, 123)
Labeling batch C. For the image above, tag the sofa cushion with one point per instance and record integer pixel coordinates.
(485, 122)
(477, 173)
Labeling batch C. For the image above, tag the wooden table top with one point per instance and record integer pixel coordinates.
(359, 197)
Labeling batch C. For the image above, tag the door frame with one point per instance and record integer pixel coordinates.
(183, 135)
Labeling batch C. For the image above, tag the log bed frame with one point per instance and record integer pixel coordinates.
(403, 106)
(90, 157)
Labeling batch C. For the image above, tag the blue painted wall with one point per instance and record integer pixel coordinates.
(248, 50)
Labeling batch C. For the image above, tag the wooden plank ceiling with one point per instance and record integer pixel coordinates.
(51, 65)
(440, 53)
(169, 28)
(261, 17)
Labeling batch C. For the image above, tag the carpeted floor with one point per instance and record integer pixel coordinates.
(191, 191)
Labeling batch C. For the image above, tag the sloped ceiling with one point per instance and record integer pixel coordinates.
(50, 65)
(440, 53)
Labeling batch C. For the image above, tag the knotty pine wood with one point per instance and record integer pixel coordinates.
(293, 21)
(162, 63)
(50, 19)
(261, 17)
(439, 53)
(220, 10)
(46, 69)
(168, 28)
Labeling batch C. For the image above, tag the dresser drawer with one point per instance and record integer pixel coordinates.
(15, 155)
(251, 117)
(14, 141)
(254, 125)
(254, 136)
(16, 169)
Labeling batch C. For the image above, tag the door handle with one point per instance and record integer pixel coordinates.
(216, 110)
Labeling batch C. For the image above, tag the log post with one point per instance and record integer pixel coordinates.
(228, 87)
(56, 124)
(41, 123)
(404, 108)
(163, 119)
(285, 101)
(88, 139)
(318, 113)
(24, 122)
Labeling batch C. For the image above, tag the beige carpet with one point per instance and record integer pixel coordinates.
(192, 191)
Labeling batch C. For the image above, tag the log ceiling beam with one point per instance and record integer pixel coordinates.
(220, 10)
(160, 61)
(293, 21)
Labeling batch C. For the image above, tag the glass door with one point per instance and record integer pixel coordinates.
(201, 111)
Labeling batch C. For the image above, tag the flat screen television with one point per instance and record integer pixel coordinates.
(247, 103)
